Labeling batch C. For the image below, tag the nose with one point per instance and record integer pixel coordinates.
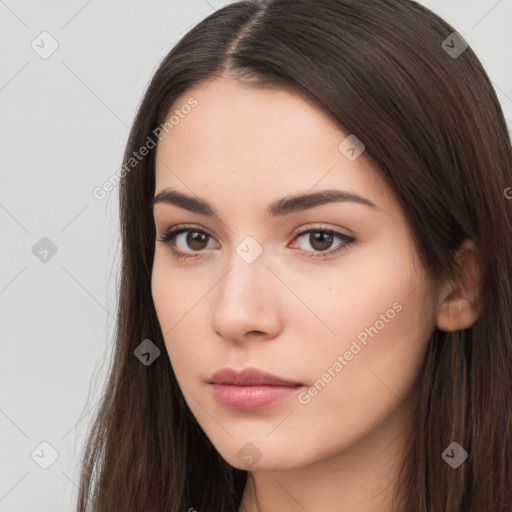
(247, 302)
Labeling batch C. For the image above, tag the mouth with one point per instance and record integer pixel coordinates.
(250, 389)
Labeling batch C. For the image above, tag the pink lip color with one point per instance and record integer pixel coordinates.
(250, 398)
(250, 389)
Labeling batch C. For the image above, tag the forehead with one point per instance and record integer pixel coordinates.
(259, 141)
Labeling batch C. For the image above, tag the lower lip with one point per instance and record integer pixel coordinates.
(250, 398)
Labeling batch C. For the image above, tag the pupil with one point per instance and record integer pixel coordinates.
(195, 239)
(325, 240)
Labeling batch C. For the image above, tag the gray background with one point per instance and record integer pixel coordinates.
(65, 120)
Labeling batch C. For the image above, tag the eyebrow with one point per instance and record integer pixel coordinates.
(278, 208)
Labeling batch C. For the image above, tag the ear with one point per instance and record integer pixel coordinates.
(459, 303)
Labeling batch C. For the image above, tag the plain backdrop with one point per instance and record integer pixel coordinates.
(64, 122)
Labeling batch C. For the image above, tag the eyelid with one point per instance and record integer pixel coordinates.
(179, 228)
(321, 227)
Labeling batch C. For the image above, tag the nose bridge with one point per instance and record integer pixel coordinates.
(245, 301)
(246, 279)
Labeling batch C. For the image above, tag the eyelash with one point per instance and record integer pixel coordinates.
(171, 234)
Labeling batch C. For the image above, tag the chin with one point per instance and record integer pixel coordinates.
(258, 455)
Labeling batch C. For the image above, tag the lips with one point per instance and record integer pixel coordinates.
(249, 377)
(250, 389)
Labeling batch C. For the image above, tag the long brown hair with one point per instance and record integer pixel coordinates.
(432, 122)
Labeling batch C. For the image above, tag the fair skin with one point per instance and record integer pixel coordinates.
(287, 312)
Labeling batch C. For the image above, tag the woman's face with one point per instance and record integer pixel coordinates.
(349, 321)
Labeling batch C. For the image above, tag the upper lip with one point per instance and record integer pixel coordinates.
(248, 377)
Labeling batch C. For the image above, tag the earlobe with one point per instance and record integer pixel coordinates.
(460, 302)
(455, 315)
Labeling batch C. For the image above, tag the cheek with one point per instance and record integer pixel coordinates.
(179, 299)
(372, 292)
(383, 317)
(373, 381)
(174, 291)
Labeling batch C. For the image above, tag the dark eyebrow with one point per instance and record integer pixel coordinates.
(278, 208)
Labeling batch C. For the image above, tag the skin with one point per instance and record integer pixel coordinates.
(289, 314)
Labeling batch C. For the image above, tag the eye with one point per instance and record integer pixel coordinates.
(320, 240)
(194, 238)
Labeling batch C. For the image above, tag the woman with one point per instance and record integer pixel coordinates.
(316, 272)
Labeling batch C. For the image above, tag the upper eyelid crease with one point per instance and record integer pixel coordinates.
(278, 208)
